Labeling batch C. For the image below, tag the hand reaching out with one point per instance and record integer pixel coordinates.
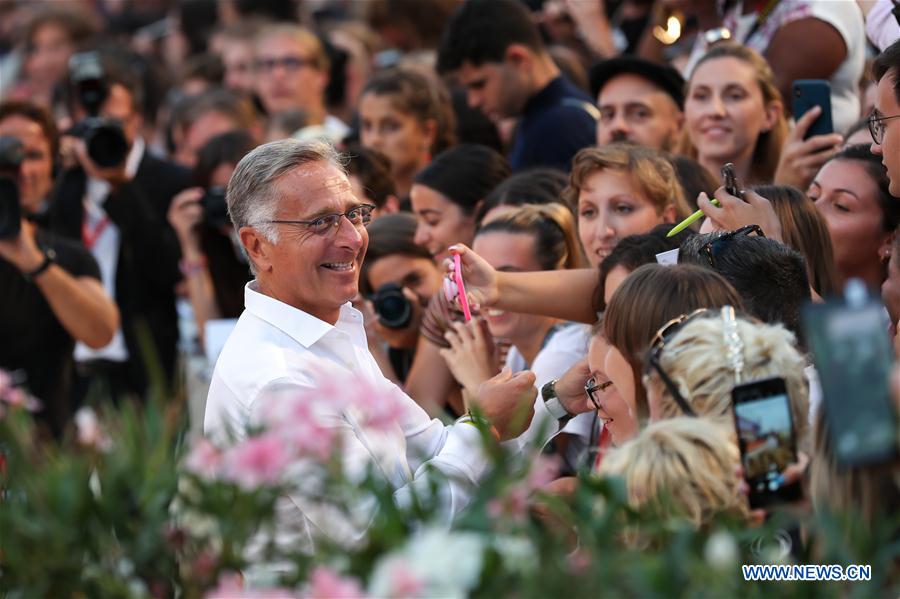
(479, 277)
(507, 401)
(471, 354)
(734, 213)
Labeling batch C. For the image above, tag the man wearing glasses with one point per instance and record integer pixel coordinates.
(291, 72)
(883, 122)
(305, 234)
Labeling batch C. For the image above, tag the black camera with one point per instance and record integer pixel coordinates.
(215, 209)
(393, 309)
(12, 153)
(104, 138)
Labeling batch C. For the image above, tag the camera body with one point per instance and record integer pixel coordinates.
(12, 153)
(104, 138)
(215, 209)
(394, 310)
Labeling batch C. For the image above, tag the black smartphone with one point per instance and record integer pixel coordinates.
(813, 92)
(853, 355)
(765, 430)
(729, 180)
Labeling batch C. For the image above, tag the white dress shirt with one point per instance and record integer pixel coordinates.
(105, 249)
(276, 347)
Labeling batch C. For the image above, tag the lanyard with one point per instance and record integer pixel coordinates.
(89, 237)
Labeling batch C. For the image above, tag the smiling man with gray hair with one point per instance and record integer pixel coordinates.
(305, 234)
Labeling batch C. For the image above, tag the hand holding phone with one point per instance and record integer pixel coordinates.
(456, 289)
(808, 93)
(729, 180)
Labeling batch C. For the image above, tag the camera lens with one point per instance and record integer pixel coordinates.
(393, 309)
(106, 144)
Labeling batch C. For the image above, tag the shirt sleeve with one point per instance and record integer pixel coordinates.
(406, 459)
(882, 28)
(74, 258)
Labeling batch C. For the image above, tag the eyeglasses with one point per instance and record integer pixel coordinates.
(359, 216)
(662, 336)
(877, 126)
(291, 64)
(713, 247)
(593, 390)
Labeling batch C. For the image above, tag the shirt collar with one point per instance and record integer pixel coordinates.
(135, 155)
(301, 326)
(548, 96)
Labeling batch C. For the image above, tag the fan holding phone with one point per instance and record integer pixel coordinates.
(749, 375)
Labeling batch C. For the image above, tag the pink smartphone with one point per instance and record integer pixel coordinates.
(461, 288)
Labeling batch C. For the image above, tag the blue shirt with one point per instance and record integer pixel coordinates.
(557, 121)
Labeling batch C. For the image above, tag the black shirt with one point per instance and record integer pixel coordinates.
(557, 121)
(32, 340)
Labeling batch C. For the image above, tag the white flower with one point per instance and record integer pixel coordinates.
(721, 551)
(420, 568)
(90, 434)
(518, 553)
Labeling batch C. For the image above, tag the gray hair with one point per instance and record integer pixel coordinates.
(251, 194)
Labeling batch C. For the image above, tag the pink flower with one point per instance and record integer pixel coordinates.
(544, 470)
(512, 506)
(14, 396)
(231, 586)
(404, 582)
(579, 561)
(204, 459)
(324, 582)
(256, 462)
(90, 433)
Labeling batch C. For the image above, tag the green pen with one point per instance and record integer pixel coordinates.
(690, 220)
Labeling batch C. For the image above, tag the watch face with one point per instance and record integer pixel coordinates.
(548, 391)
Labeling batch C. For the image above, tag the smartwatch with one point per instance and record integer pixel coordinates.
(552, 403)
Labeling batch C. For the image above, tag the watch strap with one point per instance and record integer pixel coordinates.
(49, 258)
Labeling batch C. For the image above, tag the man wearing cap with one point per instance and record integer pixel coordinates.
(640, 101)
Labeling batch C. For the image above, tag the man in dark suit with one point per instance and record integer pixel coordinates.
(119, 213)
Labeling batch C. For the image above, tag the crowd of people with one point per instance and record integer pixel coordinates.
(275, 185)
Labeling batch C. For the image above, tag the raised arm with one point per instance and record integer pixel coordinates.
(565, 294)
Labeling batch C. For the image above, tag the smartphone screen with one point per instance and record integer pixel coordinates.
(762, 415)
(853, 356)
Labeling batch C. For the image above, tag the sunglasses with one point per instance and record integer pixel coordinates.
(658, 344)
(715, 246)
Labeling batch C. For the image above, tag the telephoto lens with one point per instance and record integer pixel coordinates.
(393, 309)
(12, 152)
(104, 138)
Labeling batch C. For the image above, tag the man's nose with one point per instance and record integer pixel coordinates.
(348, 234)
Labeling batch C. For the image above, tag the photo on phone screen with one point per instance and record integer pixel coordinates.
(765, 428)
(853, 356)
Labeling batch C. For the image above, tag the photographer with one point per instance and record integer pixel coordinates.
(52, 296)
(115, 201)
(398, 277)
(33, 127)
(212, 262)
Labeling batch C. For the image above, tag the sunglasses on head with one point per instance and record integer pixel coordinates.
(715, 246)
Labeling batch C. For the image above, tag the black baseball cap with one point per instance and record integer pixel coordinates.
(663, 76)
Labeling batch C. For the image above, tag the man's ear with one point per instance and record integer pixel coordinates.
(257, 248)
(518, 56)
(391, 205)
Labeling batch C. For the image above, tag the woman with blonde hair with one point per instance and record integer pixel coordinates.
(683, 468)
(692, 366)
(621, 190)
(734, 112)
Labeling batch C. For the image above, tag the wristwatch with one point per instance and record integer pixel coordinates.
(49, 258)
(553, 405)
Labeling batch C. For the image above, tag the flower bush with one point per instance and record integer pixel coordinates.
(123, 506)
